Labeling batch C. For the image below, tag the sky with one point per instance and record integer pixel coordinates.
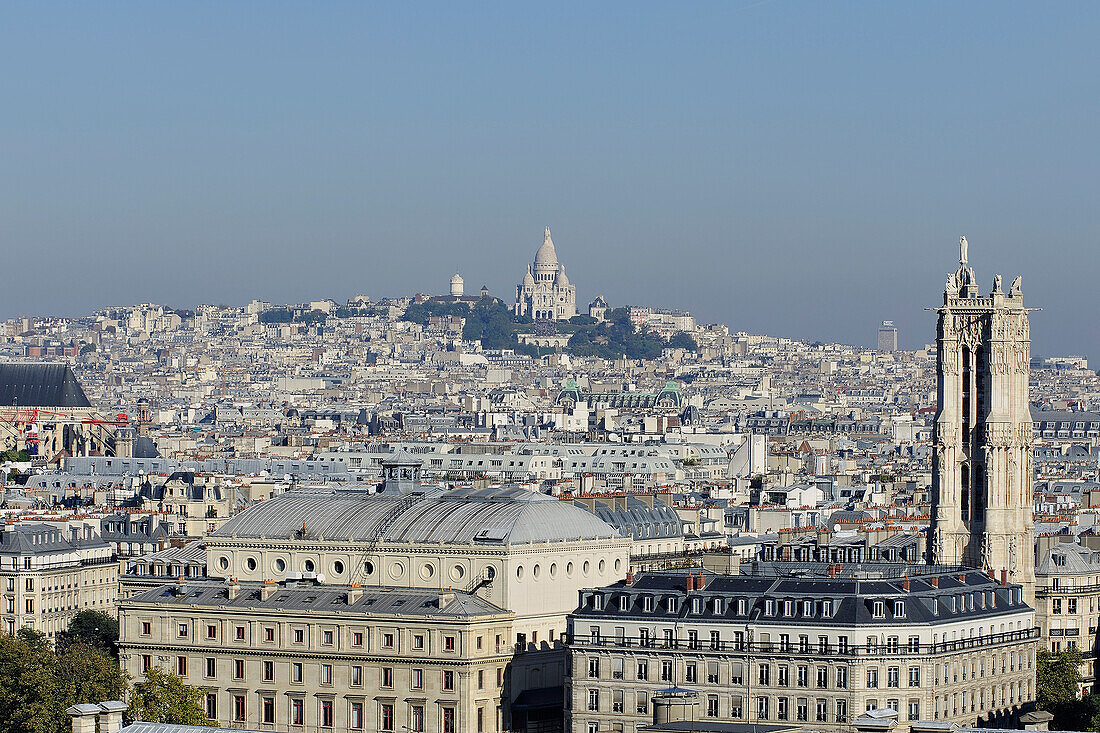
(801, 169)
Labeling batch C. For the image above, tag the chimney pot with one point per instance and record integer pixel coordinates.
(630, 577)
(1004, 577)
(935, 581)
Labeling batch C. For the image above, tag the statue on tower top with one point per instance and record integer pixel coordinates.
(963, 246)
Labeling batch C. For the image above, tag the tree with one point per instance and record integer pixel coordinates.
(95, 629)
(37, 685)
(683, 340)
(164, 698)
(1057, 677)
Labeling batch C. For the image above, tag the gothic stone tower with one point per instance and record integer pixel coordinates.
(982, 460)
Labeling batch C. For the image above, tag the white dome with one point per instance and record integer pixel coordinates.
(546, 254)
(561, 280)
(456, 279)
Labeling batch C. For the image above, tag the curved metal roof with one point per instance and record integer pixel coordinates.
(461, 516)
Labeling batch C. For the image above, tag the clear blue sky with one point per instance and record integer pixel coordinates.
(795, 168)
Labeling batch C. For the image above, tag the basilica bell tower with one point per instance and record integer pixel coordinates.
(982, 456)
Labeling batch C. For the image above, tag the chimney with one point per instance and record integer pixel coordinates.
(905, 584)
(110, 716)
(630, 577)
(446, 595)
(1004, 577)
(962, 578)
(690, 582)
(234, 588)
(700, 581)
(269, 589)
(355, 592)
(935, 581)
(84, 717)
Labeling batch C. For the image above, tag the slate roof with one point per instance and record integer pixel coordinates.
(382, 600)
(40, 385)
(852, 599)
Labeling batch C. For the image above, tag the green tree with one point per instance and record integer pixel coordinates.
(164, 698)
(96, 629)
(1057, 677)
(683, 340)
(37, 685)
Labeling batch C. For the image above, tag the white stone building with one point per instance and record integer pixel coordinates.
(546, 293)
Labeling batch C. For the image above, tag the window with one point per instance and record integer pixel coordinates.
(238, 669)
(822, 677)
(387, 677)
(594, 701)
(842, 678)
(146, 662)
(297, 711)
(617, 701)
(269, 633)
(417, 719)
(211, 631)
(238, 708)
(914, 710)
(899, 609)
(693, 639)
(448, 643)
(385, 717)
(642, 702)
(892, 645)
(238, 633)
(762, 711)
(782, 708)
(357, 638)
(763, 676)
(872, 679)
(181, 631)
(842, 711)
(387, 641)
(643, 670)
(914, 644)
(355, 716)
(737, 709)
(212, 705)
(326, 674)
(326, 713)
(146, 628)
(418, 641)
(267, 707)
(593, 667)
(691, 673)
(822, 710)
(842, 644)
(356, 676)
(715, 640)
(783, 675)
(299, 636)
(893, 675)
(448, 680)
(878, 609)
(712, 706)
(803, 676)
(666, 671)
(211, 668)
(418, 679)
(802, 709)
(914, 676)
(181, 666)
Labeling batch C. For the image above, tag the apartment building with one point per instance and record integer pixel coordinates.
(817, 650)
(47, 575)
(1067, 603)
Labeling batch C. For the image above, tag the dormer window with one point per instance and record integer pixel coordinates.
(807, 608)
(769, 608)
(879, 609)
(597, 602)
(718, 606)
(788, 608)
(670, 604)
(740, 606)
(696, 605)
(624, 603)
(647, 604)
(899, 609)
(827, 608)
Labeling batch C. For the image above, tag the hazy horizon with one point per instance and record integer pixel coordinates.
(786, 168)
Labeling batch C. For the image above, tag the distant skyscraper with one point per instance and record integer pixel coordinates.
(982, 460)
(545, 293)
(888, 337)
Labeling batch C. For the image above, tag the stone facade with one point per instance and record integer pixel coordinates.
(954, 647)
(982, 460)
(546, 293)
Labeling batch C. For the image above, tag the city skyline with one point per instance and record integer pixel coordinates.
(800, 171)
